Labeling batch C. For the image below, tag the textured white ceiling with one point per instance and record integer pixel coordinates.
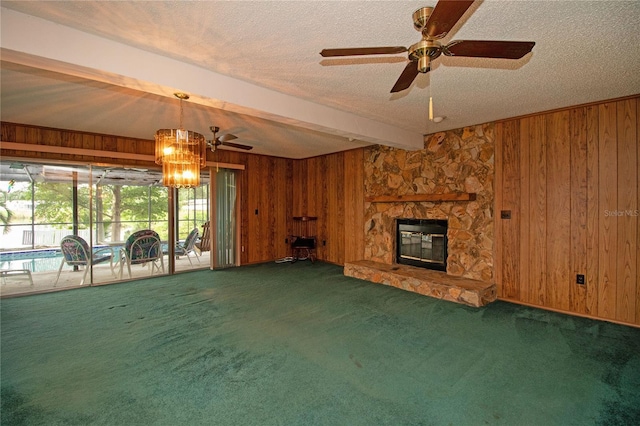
(585, 51)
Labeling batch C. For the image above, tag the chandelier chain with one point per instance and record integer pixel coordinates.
(181, 115)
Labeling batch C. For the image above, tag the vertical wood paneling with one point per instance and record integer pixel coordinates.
(299, 181)
(285, 218)
(637, 320)
(334, 192)
(511, 201)
(244, 217)
(312, 196)
(52, 137)
(608, 197)
(333, 177)
(266, 187)
(335, 222)
(580, 190)
(593, 209)
(578, 217)
(8, 132)
(268, 207)
(525, 212)
(626, 276)
(353, 205)
(537, 281)
(76, 139)
(254, 191)
(497, 222)
(21, 134)
(558, 218)
(32, 134)
(323, 195)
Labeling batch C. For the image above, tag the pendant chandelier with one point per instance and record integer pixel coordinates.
(182, 154)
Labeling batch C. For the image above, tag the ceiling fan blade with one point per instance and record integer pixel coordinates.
(226, 137)
(237, 145)
(444, 17)
(489, 49)
(406, 78)
(363, 51)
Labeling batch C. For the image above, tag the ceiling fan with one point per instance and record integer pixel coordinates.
(224, 140)
(435, 23)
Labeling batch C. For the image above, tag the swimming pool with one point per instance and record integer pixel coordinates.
(39, 260)
(33, 260)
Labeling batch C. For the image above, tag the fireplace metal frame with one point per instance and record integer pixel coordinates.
(426, 226)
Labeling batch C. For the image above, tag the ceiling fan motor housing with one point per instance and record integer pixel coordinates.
(423, 52)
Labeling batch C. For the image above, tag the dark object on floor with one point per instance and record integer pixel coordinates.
(303, 240)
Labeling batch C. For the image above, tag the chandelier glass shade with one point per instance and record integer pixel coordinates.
(182, 153)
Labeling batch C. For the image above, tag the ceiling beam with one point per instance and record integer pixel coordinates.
(35, 42)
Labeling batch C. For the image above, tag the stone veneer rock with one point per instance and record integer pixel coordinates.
(459, 160)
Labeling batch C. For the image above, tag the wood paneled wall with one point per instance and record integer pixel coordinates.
(570, 179)
(331, 187)
(266, 194)
(69, 139)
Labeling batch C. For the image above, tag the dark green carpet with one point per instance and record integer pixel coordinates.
(300, 344)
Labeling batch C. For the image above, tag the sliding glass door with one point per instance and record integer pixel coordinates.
(192, 226)
(102, 208)
(129, 203)
(225, 200)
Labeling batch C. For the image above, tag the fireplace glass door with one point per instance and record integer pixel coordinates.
(422, 242)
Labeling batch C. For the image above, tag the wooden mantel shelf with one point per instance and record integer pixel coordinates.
(451, 196)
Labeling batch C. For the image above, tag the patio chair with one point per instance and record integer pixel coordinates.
(205, 242)
(188, 246)
(76, 252)
(142, 247)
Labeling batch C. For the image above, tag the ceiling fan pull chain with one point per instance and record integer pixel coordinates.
(430, 97)
(430, 108)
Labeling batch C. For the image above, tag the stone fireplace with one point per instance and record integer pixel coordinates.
(456, 161)
(449, 181)
(422, 243)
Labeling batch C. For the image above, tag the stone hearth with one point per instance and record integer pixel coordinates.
(423, 281)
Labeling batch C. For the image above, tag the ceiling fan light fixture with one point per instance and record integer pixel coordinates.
(424, 64)
(182, 153)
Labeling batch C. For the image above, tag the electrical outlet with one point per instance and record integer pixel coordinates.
(505, 214)
(580, 279)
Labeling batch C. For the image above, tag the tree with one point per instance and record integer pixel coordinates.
(113, 204)
(54, 204)
(5, 213)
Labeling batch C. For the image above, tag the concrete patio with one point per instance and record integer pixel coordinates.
(17, 284)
